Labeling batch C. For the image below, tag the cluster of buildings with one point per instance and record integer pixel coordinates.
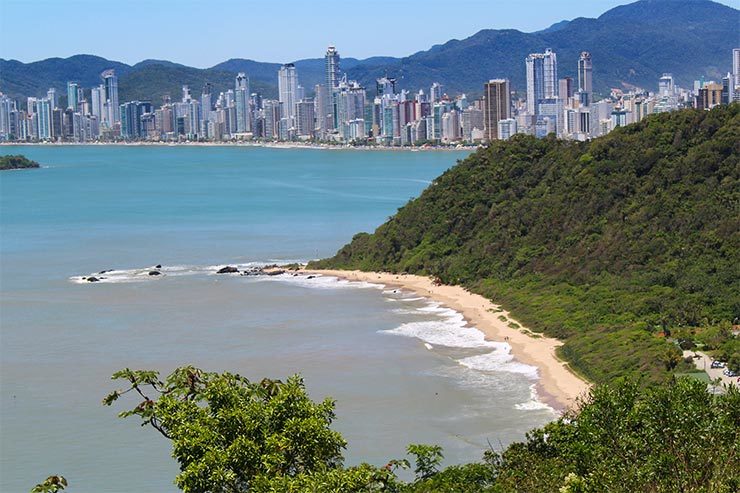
(342, 111)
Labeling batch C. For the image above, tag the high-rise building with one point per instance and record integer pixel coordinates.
(665, 86)
(206, 106)
(51, 95)
(241, 97)
(113, 110)
(288, 92)
(332, 67)
(72, 95)
(331, 81)
(736, 66)
(709, 96)
(728, 89)
(506, 128)
(542, 79)
(496, 106)
(435, 92)
(97, 96)
(43, 119)
(565, 88)
(585, 78)
(305, 119)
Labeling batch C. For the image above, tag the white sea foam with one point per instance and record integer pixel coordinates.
(533, 404)
(321, 282)
(499, 360)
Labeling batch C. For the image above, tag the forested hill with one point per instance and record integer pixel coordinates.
(603, 244)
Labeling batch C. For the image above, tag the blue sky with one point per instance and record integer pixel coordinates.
(204, 33)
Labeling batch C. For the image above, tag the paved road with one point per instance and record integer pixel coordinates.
(704, 362)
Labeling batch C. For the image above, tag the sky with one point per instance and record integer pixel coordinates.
(205, 33)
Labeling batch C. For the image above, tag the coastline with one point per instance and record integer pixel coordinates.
(268, 145)
(557, 385)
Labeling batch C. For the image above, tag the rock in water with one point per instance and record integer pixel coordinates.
(227, 270)
(158, 266)
(92, 279)
(155, 273)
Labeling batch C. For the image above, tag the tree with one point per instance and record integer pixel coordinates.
(229, 433)
(52, 484)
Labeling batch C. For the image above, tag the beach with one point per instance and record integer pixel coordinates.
(558, 386)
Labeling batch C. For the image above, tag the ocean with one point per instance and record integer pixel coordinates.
(402, 368)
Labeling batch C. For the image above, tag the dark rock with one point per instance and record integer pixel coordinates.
(155, 273)
(104, 271)
(92, 279)
(311, 277)
(227, 270)
(275, 272)
(158, 266)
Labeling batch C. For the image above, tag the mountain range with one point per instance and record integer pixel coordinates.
(631, 45)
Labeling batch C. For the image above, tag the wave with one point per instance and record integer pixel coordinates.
(534, 404)
(319, 281)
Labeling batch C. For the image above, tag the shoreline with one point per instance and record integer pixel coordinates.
(266, 145)
(556, 386)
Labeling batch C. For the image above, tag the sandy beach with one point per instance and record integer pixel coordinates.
(558, 386)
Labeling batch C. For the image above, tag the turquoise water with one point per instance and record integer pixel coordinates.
(192, 209)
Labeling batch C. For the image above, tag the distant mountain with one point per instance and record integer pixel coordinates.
(33, 79)
(631, 45)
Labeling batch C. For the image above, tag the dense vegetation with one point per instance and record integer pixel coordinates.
(16, 162)
(608, 245)
(232, 435)
(689, 38)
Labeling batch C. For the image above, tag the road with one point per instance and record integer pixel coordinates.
(704, 362)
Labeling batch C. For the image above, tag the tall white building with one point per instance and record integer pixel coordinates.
(332, 71)
(113, 110)
(241, 97)
(585, 78)
(288, 92)
(736, 66)
(542, 79)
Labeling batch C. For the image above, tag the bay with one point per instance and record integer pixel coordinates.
(192, 209)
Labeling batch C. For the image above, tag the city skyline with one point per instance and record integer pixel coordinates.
(342, 111)
(238, 33)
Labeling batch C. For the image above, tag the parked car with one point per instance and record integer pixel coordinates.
(718, 364)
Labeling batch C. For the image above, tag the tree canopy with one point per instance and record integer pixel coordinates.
(232, 435)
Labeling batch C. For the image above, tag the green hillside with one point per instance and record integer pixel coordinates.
(603, 244)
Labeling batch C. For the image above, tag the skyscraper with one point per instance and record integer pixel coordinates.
(496, 106)
(736, 66)
(113, 110)
(72, 95)
(206, 105)
(542, 79)
(241, 97)
(331, 82)
(288, 92)
(43, 119)
(332, 67)
(51, 95)
(585, 77)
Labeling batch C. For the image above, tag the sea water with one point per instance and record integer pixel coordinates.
(402, 368)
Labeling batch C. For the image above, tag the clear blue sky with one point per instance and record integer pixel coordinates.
(204, 33)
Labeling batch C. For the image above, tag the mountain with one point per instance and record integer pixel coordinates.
(631, 45)
(605, 244)
(20, 80)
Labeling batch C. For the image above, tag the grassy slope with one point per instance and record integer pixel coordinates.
(601, 244)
